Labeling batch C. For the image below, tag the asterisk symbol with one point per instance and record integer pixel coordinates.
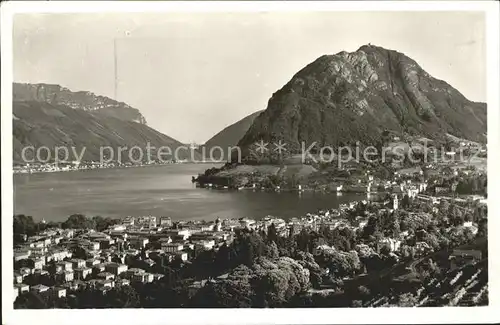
(280, 147)
(261, 146)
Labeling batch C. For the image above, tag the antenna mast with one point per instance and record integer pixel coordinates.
(116, 69)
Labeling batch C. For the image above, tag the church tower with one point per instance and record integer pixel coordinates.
(395, 203)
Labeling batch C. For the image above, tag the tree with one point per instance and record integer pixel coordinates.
(225, 258)
(407, 300)
(102, 224)
(315, 272)
(248, 246)
(78, 221)
(272, 251)
(23, 225)
(123, 297)
(385, 250)
(340, 263)
(231, 293)
(303, 240)
(272, 233)
(371, 227)
(394, 227)
(79, 252)
(482, 228)
(357, 303)
(405, 202)
(363, 292)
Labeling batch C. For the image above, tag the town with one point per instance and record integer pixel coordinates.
(51, 167)
(412, 225)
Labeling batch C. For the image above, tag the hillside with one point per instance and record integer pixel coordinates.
(82, 100)
(347, 97)
(38, 123)
(229, 136)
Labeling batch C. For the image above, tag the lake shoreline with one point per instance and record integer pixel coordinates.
(160, 191)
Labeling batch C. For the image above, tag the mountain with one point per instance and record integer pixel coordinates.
(82, 100)
(347, 97)
(228, 137)
(75, 122)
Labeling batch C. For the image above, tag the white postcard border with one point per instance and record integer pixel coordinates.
(251, 316)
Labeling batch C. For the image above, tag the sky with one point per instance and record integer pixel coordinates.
(193, 74)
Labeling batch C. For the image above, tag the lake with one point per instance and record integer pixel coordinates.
(154, 190)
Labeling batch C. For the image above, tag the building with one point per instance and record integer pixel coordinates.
(77, 263)
(129, 221)
(91, 262)
(82, 273)
(22, 288)
(21, 255)
(395, 202)
(25, 271)
(107, 283)
(393, 244)
(148, 263)
(68, 233)
(46, 242)
(66, 266)
(102, 243)
(167, 258)
(183, 256)
(172, 247)
(59, 292)
(40, 274)
(116, 268)
(96, 245)
(138, 242)
(18, 278)
(158, 276)
(122, 282)
(118, 227)
(204, 244)
(165, 222)
(39, 288)
(164, 240)
(38, 263)
(65, 276)
(146, 221)
(106, 276)
(98, 268)
(440, 189)
(471, 227)
(143, 277)
(59, 255)
(182, 234)
(130, 273)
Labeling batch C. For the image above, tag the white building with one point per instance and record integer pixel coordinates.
(393, 244)
(172, 247)
(395, 202)
(59, 292)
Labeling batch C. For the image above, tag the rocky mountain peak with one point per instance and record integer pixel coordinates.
(348, 97)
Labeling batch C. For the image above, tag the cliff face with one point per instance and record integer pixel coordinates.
(82, 100)
(52, 116)
(347, 97)
(40, 124)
